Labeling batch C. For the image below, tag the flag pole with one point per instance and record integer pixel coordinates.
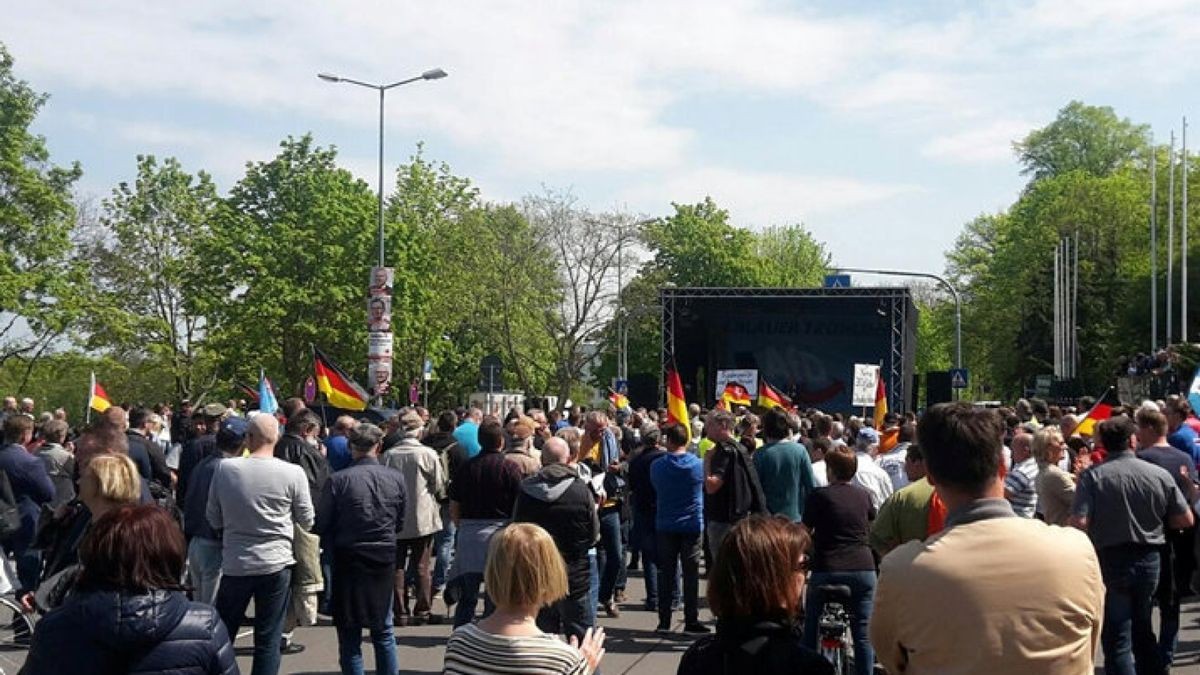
(1171, 240)
(1153, 247)
(87, 407)
(1183, 239)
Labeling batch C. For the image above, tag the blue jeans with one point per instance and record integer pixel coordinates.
(862, 602)
(270, 594)
(1130, 576)
(593, 586)
(643, 538)
(614, 560)
(350, 649)
(443, 547)
(204, 568)
(464, 611)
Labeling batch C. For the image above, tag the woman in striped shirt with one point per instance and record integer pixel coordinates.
(524, 573)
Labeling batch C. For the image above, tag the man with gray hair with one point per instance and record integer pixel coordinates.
(562, 503)
(360, 512)
(256, 503)
(731, 486)
(425, 487)
(60, 463)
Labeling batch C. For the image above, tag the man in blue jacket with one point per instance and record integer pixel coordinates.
(32, 487)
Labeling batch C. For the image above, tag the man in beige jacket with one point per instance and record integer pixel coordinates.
(991, 593)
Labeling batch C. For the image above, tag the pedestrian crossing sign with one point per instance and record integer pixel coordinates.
(959, 378)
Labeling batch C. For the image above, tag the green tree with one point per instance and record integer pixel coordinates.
(697, 246)
(286, 265)
(1084, 138)
(145, 271)
(791, 256)
(40, 280)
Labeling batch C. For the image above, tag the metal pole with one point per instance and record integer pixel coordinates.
(382, 91)
(942, 281)
(1171, 241)
(1075, 307)
(1183, 245)
(1057, 311)
(1153, 247)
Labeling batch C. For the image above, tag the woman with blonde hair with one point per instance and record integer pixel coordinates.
(524, 573)
(1055, 487)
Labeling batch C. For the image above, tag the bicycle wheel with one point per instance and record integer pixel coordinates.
(16, 626)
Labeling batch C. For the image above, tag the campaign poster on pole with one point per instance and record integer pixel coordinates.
(747, 377)
(866, 376)
(379, 362)
(381, 281)
(379, 314)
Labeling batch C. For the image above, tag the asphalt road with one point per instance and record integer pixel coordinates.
(632, 645)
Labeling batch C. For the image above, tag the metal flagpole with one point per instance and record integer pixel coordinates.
(1183, 245)
(87, 407)
(1075, 307)
(1057, 311)
(1171, 239)
(1153, 247)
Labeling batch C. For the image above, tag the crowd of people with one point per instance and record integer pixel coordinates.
(1024, 539)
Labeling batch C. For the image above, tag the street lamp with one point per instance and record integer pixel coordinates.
(434, 74)
(942, 281)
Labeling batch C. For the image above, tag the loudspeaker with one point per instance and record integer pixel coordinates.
(937, 388)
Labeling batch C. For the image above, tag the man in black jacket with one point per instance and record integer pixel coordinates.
(139, 439)
(359, 514)
(299, 445)
(560, 502)
(204, 443)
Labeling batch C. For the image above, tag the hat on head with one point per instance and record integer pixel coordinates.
(232, 433)
(411, 421)
(215, 410)
(868, 436)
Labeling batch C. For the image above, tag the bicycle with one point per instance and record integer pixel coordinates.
(834, 642)
(16, 633)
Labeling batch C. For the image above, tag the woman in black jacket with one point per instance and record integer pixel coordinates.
(127, 613)
(754, 590)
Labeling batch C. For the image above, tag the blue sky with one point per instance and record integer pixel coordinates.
(881, 126)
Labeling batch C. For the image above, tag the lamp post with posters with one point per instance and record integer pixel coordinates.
(379, 302)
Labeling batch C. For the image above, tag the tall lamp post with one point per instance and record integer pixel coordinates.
(942, 281)
(435, 74)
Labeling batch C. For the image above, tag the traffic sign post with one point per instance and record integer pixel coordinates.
(959, 378)
(837, 281)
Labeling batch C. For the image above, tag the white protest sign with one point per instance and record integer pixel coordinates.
(866, 376)
(747, 377)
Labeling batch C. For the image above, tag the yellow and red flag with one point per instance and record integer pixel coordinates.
(735, 394)
(881, 407)
(340, 390)
(620, 401)
(677, 410)
(769, 398)
(1099, 412)
(98, 398)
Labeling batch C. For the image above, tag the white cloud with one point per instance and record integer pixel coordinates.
(764, 198)
(981, 145)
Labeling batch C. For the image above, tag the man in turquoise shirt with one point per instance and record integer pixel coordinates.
(783, 468)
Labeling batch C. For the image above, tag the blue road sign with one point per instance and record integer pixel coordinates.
(959, 378)
(837, 281)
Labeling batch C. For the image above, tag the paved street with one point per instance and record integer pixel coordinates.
(633, 648)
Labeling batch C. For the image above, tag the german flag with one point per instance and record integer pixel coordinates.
(677, 410)
(735, 394)
(1099, 412)
(98, 399)
(769, 398)
(340, 390)
(620, 401)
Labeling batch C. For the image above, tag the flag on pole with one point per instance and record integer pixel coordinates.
(620, 401)
(340, 390)
(266, 394)
(735, 394)
(1099, 412)
(769, 397)
(1194, 391)
(881, 407)
(250, 392)
(98, 398)
(677, 410)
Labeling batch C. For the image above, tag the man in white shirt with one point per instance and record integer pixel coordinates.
(255, 503)
(892, 461)
(872, 478)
